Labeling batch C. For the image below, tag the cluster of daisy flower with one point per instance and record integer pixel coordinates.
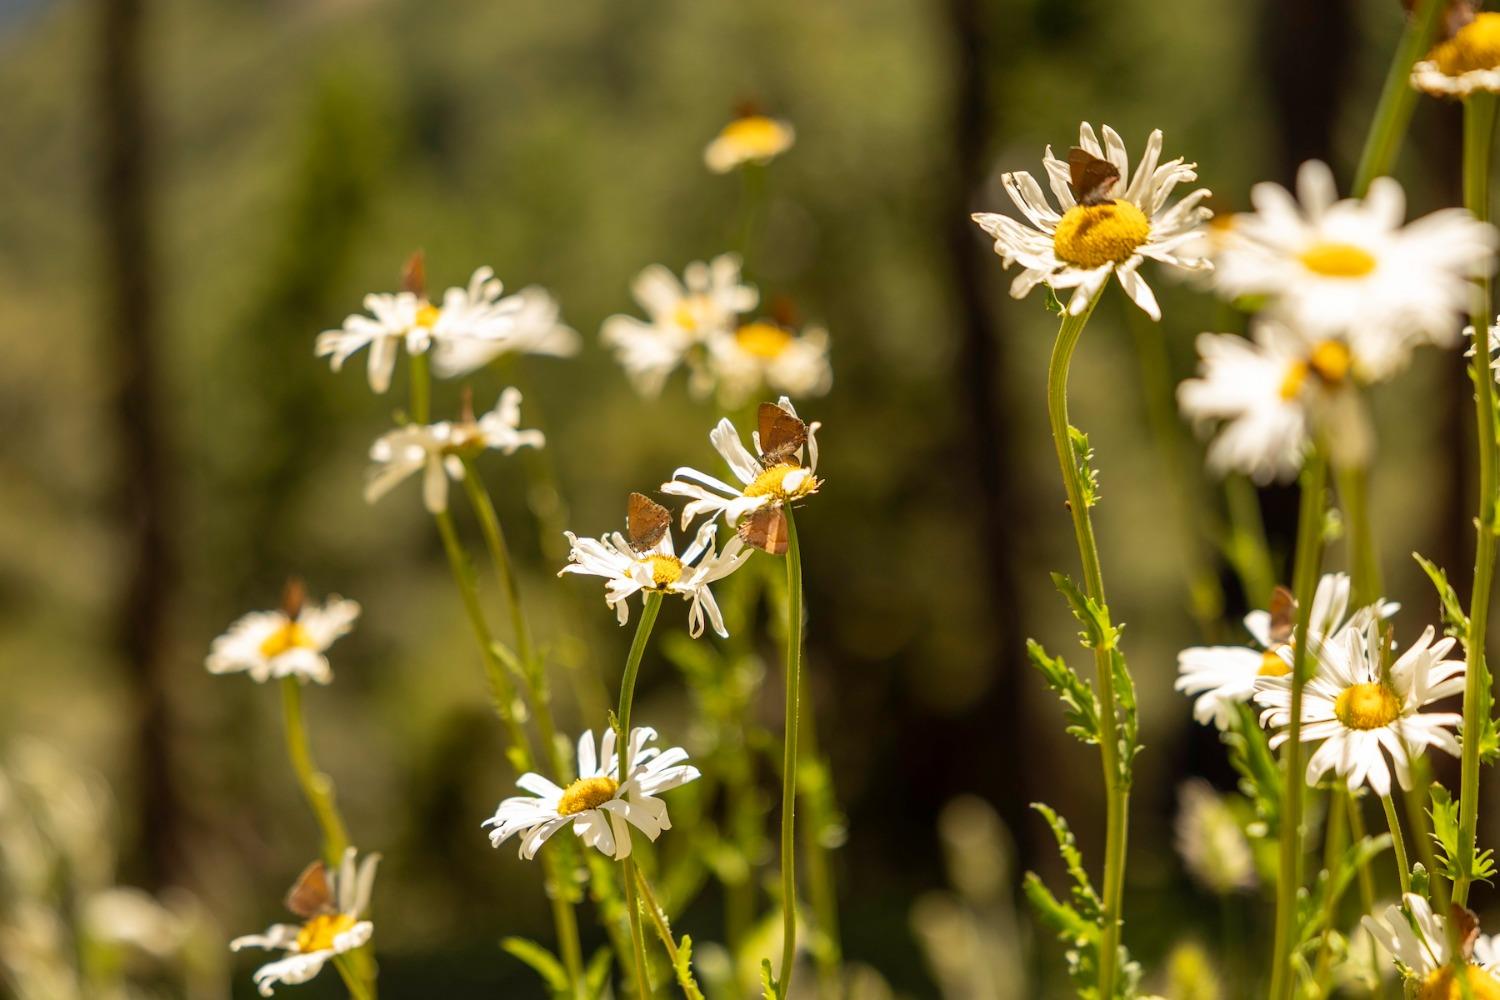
(614, 785)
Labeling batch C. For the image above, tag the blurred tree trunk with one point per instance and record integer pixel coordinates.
(999, 722)
(130, 352)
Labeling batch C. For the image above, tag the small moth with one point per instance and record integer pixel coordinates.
(293, 596)
(1091, 177)
(781, 436)
(1283, 614)
(765, 529)
(414, 275)
(1466, 926)
(311, 895)
(646, 521)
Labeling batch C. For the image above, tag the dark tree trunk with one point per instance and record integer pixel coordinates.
(128, 326)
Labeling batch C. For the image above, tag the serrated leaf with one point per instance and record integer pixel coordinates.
(1070, 926)
(684, 969)
(1097, 633)
(1260, 776)
(542, 961)
(769, 989)
(1083, 465)
(1455, 620)
(1125, 709)
(1084, 896)
(1080, 706)
(1052, 302)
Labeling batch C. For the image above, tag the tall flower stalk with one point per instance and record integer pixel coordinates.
(1397, 98)
(1479, 131)
(1116, 785)
(1305, 582)
(652, 605)
(789, 757)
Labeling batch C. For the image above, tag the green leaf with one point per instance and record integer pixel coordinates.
(1084, 896)
(1097, 633)
(684, 968)
(1083, 466)
(1125, 709)
(1329, 887)
(1260, 777)
(1079, 704)
(1455, 621)
(1445, 836)
(541, 960)
(769, 988)
(1052, 302)
(1071, 928)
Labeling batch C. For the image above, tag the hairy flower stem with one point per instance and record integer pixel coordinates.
(789, 757)
(1397, 98)
(317, 788)
(1304, 584)
(652, 605)
(1398, 843)
(1117, 792)
(1479, 131)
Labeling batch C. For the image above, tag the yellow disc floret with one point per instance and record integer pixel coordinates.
(1367, 706)
(763, 340)
(1442, 984)
(1330, 361)
(318, 933)
(1094, 235)
(427, 315)
(1337, 260)
(586, 793)
(756, 137)
(691, 312)
(665, 570)
(1475, 46)
(288, 637)
(772, 483)
(1272, 665)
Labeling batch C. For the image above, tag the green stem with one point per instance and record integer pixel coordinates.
(789, 757)
(1364, 559)
(1479, 129)
(1398, 842)
(814, 787)
(1335, 841)
(421, 389)
(658, 916)
(317, 787)
(356, 987)
(1117, 792)
(1305, 581)
(1397, 98)
(1366, 880)
(652, 605)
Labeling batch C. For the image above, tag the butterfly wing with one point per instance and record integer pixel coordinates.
(1283, 614)
(781, 435)
(646, 521)
(765, 529)
(1091, 177)
(311, 894)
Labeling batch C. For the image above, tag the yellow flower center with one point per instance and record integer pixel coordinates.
(665, 570)
(1442, 984)
(427, 315)
(772, 483)
(586, 793)
(756, 137)
(285, 639)
(1367, 706)
(1337, 260)
(1272, 665)
(1094, 235)
(1329, 360)
(318, 933)
(1475, 46)
(764, 340)
(691, 311)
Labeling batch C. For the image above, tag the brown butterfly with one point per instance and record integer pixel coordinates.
(1466, 925)
(414, 274)
(646, 521)
(1283, 614)
(765, 529)
(781, 436)
(293, 595)
(311, 894)
(1091, 177)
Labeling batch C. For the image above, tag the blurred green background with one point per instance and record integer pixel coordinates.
(192, 190)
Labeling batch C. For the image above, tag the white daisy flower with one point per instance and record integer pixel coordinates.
(1222, 677)
(1363, 711)
(1268, 395)
(636, 563)
(683, 315)
(1417, 938)
(772, 477)
(1467, 62)
(438, 449)
(331, 906)
(528, 322)
(1110, 227)
(749, 138)
(1213, 847)
(1349, 269)
(290, 642)
(765, 355)
(597, 805)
